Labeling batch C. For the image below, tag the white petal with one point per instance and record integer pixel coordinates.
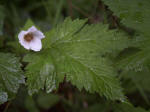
(38, 34)
(24, 44)
(22, 41)
(32, 29)
(36, 44)
(21, 35)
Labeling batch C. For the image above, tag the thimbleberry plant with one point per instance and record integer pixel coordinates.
(109, 62)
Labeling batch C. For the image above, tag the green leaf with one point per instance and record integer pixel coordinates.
(41, 72)
(76, 50)
(140, 81)
(30, 104)
(67, 29)
(133, 13)
(28, 24)
(136, 61)
(47, 101)
(11, 76)
(127, 108)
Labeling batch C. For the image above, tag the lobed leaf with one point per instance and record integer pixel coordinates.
(75, 50)
(11, 76)
(133, 13)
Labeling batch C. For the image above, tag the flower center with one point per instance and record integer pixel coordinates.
(28, 37)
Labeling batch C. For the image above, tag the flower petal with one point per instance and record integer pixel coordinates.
(32, 29)
(21, 35)
(38, 34)
(22, 41)
(25, 44)
(35, 44)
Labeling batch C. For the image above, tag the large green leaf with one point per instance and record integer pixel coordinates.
(11, 76)
(76, 50)
(133, 13)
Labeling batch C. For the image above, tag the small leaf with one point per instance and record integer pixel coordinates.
(47, 101)
(28, 24)
(30, 104)
(127, 108)
(11, 76)
(3, 97)
(135, 61)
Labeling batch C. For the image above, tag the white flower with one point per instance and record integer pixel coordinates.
(31, 39)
